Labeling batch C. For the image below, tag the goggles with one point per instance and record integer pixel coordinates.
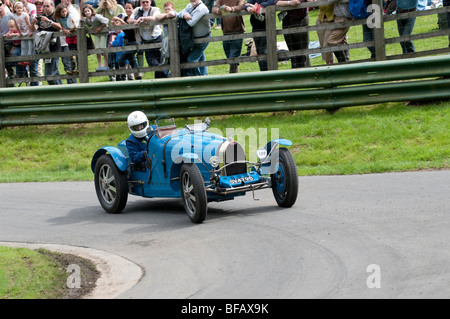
(139, 126)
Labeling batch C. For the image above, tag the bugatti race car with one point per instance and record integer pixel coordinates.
(195, 165)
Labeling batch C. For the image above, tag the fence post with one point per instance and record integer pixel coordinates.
(380, 45)
(174, 52)
(2, 63)
(271, 38)
(83, 62)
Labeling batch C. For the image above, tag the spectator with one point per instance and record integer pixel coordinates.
(123, 57)
(5, 17)
(26, 29)
(8, 6)
(117, 40)
(13, 32)
(210, 4)
(406, 26)
(47, 23)
(73, 11)
(39, 6)
(34, 8)
(149, 34)
(325, 17)
(369, 34)
(96, 23)
(358, 9)
(169, 13)
(194, 14)
(30, 8)
(129, 39)
(338, 36)
(67, 23)
(231, 25)
(258, 24)
(296, 41)
(71, 41)
(93, 3)
(110, 9)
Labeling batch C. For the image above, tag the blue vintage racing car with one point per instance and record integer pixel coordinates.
(195, 165)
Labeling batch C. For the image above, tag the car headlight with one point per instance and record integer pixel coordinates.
(261, 153)
(214, 161)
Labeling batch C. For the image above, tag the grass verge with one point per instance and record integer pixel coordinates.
(42, 274)
(29, 274)
(371, 139)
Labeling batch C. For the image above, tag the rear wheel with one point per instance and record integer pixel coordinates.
(110, 185)
(285, 180)
(193, 193)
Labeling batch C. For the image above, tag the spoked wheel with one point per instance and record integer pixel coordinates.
(110, 185)
(285, 180)
(193, 193)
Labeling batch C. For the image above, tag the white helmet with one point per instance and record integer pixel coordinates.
(138, 124)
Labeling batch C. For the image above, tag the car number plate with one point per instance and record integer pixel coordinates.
(241, 179)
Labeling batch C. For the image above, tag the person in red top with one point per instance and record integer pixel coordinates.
(231, 25)
(39, 6)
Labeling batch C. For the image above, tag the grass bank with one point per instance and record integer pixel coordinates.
(371, 139)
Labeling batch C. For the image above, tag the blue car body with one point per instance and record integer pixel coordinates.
(169, 149)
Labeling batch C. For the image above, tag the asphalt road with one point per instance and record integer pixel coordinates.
(360, 236)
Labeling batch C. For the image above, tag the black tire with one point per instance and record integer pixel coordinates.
(193, 192)
(110, 185)
(285, 180)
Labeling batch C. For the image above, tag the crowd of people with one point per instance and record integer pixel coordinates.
(40, 18)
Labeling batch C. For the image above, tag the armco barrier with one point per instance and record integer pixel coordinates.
(312, 88)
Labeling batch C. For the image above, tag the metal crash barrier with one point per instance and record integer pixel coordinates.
(326, 87)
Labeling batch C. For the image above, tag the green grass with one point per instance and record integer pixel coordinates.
(29, 274)
(371, 139)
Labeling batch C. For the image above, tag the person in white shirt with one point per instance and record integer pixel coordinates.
(31, 8)
(149, 34)
(195, 16)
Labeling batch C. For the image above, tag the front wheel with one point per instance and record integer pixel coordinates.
(193, 193)
(285, 180)
(110, 185)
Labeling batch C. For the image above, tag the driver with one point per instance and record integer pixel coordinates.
(137, 141)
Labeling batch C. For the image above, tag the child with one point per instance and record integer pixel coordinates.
(13, 32)
(169, 12)
(123, 57)
(26, 29)
(96, 22)
(68, 26)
